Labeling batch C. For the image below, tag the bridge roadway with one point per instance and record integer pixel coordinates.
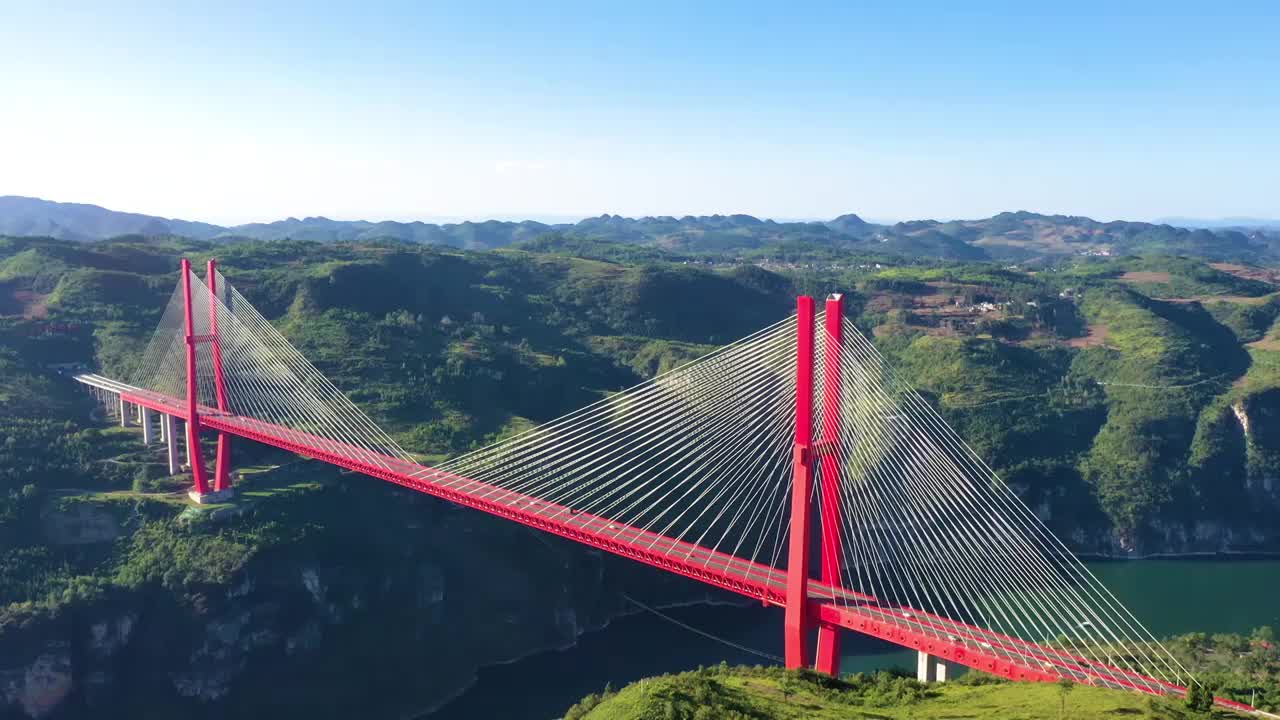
(942, 637)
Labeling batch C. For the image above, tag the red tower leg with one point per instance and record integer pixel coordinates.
(797, 622)
(829, 635)
(201, 481)
(222, 466)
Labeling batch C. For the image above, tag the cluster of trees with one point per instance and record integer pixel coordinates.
(1242, 667)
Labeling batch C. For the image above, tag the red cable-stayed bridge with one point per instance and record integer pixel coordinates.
(739, 470)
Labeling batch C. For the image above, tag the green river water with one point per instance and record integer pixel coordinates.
(1168, 596)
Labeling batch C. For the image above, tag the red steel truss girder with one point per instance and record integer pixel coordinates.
(859, 620)
(719, 569)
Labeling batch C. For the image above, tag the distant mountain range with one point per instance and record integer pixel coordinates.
(1248, 223)
(1007, 236)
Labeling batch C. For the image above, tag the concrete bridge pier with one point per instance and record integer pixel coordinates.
(931, 669)
(124, 413)
(167, 430)
(147, 429)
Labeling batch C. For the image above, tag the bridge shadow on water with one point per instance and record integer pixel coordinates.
(544, 685)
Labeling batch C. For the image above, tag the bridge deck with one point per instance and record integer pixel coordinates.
(957, 642)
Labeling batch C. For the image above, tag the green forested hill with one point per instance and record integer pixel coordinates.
(1133, 402)
(1115, 392)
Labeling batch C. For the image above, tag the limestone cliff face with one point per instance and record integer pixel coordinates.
(40, 687)
(1223, 500)
(1259, 418)
(1174, 538)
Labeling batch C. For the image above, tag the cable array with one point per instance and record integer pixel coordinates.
(941, 542)
(698, 455)
(699, 459)
(265, 377)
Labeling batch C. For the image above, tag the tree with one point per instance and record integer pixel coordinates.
(1196, 644)
(142, 479)
(1199, 697)
(1065, 686)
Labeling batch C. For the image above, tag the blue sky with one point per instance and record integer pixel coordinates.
(238, 113)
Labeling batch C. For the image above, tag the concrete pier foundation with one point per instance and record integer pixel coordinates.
(214, 496)
(931, 669)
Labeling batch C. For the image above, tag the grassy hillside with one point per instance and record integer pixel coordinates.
(723, 693)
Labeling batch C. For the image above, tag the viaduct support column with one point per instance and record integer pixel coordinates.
(146, 425)
(124, 413)
(797, 622)
(828, 660)
(170, 442)
(929, 668)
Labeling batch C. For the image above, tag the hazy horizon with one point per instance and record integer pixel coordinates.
(557, 219)
(235, 113)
